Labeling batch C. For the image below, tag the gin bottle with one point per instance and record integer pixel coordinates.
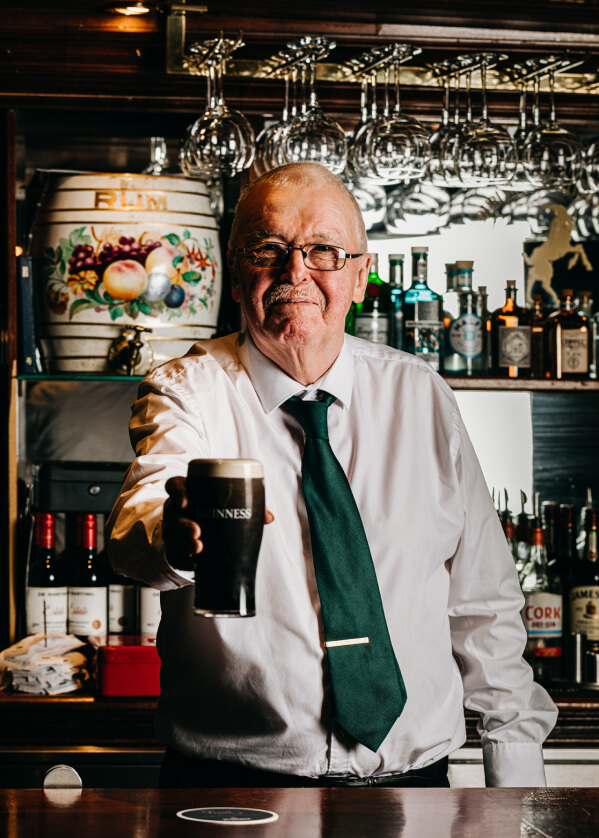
(466, 332)
(585, 307)
(510, 337)
(423, 314)
(372, 316)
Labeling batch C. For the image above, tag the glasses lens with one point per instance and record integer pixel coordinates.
(266, 255)
(324, 257)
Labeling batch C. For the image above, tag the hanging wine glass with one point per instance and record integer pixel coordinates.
(359, 143)
(399, 147)
(440, 137)
(268, 141)
(222, 140)
(589, 176)
(519, 182)
(485, 155)
(551, 155)
(451, 141)
(312, 136)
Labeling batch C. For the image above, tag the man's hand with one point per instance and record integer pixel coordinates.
(181, 535)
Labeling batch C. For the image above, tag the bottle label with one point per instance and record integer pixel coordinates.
(466, 335)
(87, 611)
(372, 327)
(121, 609)
(514, 346)
(584, 610)
(149, 611)
(542, 614)
(575, 350)
(54, 600)
(427, 312)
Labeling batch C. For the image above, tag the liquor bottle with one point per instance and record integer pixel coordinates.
(510, 337)
(88, 595)
(567, 560)
(466, 331)
(450, 311)
(567, 341)
(372, 315)
(148, 609)
(396, 261)
(585, 307)
(522, 536)
(542, 612)
(550, 517)
(121, 604)
(483, 312)
(423, 314)
(584, 583)
(46, 598)
(537, 338)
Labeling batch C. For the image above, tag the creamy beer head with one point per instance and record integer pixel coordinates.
(226, 498)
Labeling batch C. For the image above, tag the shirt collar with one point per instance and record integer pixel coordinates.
(273, 386)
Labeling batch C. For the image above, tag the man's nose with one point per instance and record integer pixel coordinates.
(295, 270)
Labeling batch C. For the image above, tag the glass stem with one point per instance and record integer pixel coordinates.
(373, 108)
(522, 112)
(312, 84)
(536, 113)
(364, 101)
(468, 97)
(285, 114)
(456, 107)
(386, 95)
(445, 113)
(483, 90)
(397, 107)
(552, 97)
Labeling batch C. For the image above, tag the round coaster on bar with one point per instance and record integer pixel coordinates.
(228, 815)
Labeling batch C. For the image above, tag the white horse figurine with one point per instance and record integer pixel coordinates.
(558, 244)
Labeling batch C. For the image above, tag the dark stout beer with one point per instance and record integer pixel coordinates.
(227, 501)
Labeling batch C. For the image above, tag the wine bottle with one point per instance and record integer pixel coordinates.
(372, 316)
(149, 610)
(121, 604)
(396, 261)
(88, 595)
(46, 605)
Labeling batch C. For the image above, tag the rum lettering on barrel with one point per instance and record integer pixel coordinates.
(105, 198)
(109, 199)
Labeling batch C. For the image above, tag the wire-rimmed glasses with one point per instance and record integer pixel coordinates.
(318, 257)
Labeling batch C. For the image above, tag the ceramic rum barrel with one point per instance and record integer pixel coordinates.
(116, 250)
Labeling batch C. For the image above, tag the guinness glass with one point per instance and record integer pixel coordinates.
(227, 500)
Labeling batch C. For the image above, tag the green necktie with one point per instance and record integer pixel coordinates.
(368, 690)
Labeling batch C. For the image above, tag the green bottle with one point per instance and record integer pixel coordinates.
(372, 316)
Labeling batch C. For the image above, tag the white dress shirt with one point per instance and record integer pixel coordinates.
(254, 691)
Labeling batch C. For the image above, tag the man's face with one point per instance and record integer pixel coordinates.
(294, 306)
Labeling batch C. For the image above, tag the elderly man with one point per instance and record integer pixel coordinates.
(381, 516)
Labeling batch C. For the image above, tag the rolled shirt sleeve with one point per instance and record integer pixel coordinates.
(488, 638)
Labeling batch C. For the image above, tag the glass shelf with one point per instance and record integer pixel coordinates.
(457, 382)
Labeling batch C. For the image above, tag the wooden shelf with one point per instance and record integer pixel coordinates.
(457, 382)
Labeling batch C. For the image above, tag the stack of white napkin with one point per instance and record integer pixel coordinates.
(44, 664)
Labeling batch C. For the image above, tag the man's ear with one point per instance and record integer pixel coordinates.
(362, 278)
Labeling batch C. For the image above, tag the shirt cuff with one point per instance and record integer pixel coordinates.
(514, 764)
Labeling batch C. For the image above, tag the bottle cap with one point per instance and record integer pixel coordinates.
(567, 292)
(511, 283)
(464, 266)
(374, 262)
(482, 289)
(419, 249)
(44, 529)
(87, 531)
(396, 257)
(567, 513)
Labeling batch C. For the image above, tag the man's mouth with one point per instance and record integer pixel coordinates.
(279, 297)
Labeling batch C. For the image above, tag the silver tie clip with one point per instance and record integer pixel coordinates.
(352, 641)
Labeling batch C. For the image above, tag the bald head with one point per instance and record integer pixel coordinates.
(310, 176)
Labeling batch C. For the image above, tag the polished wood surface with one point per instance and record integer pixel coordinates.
(306, 813)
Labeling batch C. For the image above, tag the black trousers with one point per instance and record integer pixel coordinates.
(182, 772)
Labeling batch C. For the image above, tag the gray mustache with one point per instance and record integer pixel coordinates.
(287, 294)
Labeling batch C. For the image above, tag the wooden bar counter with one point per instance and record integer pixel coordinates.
(305, 813)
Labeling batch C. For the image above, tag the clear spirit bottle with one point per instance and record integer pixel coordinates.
(585, 307)
(423, 314)
(466, 333)
(510, 337)
(482, 310)
(372, 316)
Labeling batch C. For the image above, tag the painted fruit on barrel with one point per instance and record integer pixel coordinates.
(111, 270)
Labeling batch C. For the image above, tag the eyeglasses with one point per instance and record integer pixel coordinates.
(319, 257)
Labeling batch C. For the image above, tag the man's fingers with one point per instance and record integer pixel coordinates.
(268, 516)
(177, 492)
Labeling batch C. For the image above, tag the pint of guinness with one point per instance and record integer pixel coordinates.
(227, 501)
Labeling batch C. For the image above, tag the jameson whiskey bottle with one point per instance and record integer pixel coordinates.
(510, 337)
(466, 331)
(46, 597)
(372, 316)
(567, 341)
(396, 294)
(423, 314)
(88, 605)
(537, 321)
(542, 612)
(584, 583)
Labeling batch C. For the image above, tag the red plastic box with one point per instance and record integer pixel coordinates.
(126, 665)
